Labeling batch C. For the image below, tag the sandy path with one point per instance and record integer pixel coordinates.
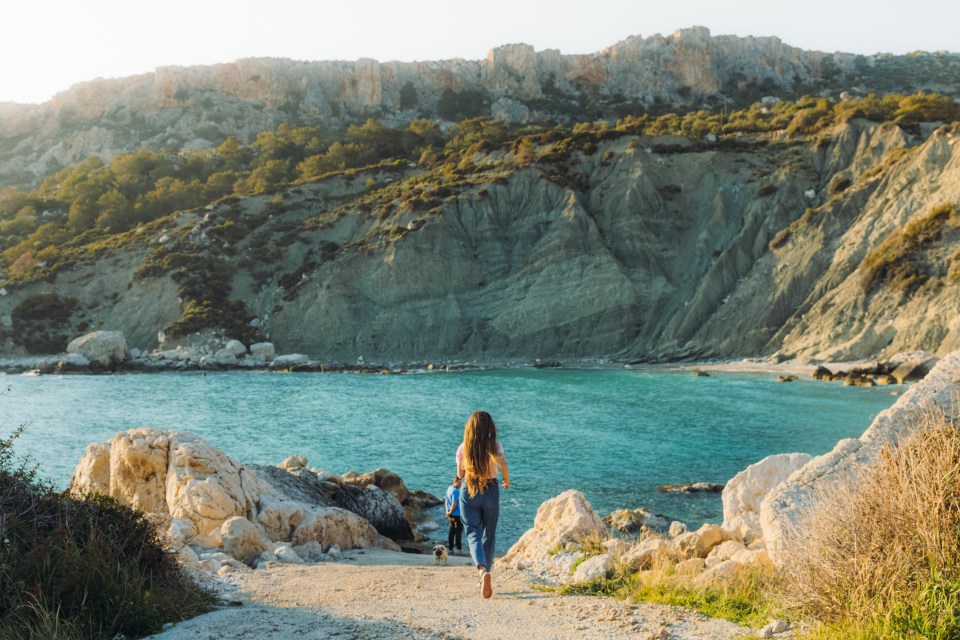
(376, 595)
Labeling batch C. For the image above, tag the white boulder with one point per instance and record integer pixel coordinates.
(593, 568)
(726, 550)
(744, 493)
(288, 555)
(719, 573)
(103, 348)
(243, 540)
(236, 347)
(225, 358)
(289, 360)
(263, 351)
(642, 554)
(566, 518)
(339, 529)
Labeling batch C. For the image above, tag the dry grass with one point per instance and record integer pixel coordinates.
(880, 557)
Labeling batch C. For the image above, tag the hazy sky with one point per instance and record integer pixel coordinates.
(48, 45)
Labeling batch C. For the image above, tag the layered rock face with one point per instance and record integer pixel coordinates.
(658, 248)
(200, 106)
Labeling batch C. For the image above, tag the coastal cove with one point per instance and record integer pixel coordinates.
(615, 434)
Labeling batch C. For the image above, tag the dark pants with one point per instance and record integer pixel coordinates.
(455, 533)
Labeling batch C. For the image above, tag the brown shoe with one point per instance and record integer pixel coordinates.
(486, 585)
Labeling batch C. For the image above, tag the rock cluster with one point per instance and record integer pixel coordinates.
(107, 351)
(553, 550)
(900, 369)
(210, 504)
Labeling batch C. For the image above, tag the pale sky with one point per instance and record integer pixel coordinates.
(48, 45)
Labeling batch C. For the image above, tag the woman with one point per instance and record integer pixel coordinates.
(479, 458)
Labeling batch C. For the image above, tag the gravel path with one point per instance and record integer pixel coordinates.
(376, 595)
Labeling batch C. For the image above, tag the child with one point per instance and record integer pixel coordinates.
(452, 504)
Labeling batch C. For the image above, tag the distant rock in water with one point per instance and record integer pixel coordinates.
(637, 520)
(692, 487)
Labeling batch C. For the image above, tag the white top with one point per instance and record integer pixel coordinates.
(494, 469)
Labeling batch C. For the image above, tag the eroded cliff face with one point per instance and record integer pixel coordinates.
(184, 107)
(647, 249)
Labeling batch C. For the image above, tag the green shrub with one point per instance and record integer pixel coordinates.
(766, 189)
(41, 322)
(897, 261)
(838, 185)
(84, 569)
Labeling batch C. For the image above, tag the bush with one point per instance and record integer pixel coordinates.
(41, 321)
(897, 261)
(82, 568)
(766, 189)
(838, 185)
(881, 554)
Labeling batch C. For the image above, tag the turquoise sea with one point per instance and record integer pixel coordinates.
(615, 434)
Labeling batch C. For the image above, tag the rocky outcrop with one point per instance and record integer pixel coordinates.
(197, 107)
(636, 520)
(211, 501)
(744, 493)
(102, 348)
(379, 508)
(200, 106)
(786, 504)
(561, 547)
(565, 518)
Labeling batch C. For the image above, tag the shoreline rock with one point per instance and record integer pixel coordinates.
(208, 503)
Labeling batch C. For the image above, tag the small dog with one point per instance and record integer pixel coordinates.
(440, 554)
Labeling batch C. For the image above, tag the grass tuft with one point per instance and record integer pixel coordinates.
(881, 558)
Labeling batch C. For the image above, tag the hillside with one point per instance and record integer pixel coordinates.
(199, 107)
(819, 228)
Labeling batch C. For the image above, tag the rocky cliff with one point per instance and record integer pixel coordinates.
(184, 107)
(647, 248)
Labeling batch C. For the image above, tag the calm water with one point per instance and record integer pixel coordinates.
(616, 435)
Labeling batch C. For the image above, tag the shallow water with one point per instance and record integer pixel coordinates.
(616, 435)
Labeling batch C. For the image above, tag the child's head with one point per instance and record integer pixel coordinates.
(456, 481)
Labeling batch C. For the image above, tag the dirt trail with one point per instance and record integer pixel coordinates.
(376, 595)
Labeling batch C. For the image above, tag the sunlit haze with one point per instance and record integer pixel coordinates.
(50, 45)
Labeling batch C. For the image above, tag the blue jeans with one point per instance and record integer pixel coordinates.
(480, 514)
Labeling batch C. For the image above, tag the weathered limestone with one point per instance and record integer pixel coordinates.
(642, 554)
(560, 520)
(264, 351)
(785, 506)
(102, 348)
(209, 499)
(243, 540)
(745, 492)
(593, 568)
(293, 462)
(635, 520)
(386, 480)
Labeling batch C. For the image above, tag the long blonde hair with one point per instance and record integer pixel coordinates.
(479, 450)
